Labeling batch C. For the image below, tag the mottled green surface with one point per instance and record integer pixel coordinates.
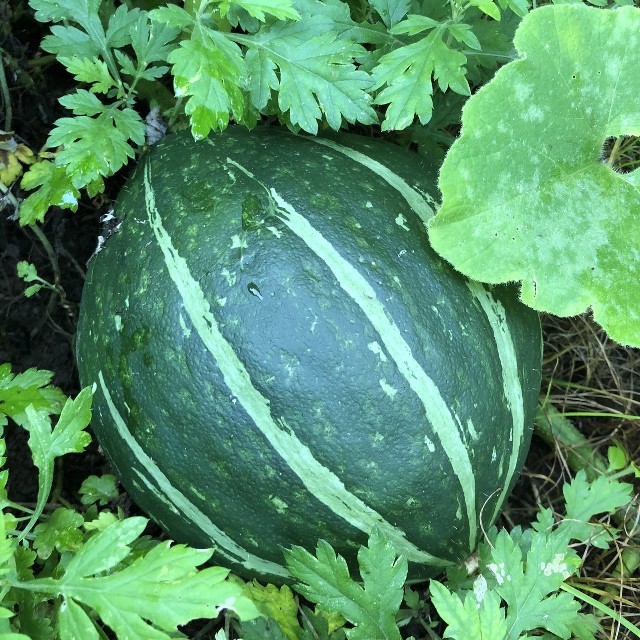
(314, 276)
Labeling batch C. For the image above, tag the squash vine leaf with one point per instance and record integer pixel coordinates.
(526, 195)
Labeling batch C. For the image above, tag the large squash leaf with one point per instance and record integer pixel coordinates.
(526, 192)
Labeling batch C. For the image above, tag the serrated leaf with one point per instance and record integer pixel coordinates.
(120, 23)
(317, 74)
(150, 40)
(70, 41)
(32, 387)
(58, 10)
(526, 195)
(82, 103)
(391, 11)
(469, 619)
(91, 70)
(100, 489)
(92, 147)
(172, 15)
(27, 271)
(277, 604)
(528, 583)
(60, 531)
(74, 623)
(406, 75)
(260, 9)
(585, 500)
(209, 70)
(372, 608)
(55, 190)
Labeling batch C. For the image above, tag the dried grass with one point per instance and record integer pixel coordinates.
(596, 383)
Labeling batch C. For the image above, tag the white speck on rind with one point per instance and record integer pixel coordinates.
(229, 276)
(377, 349)
(238, 243)
(126, 302)
(494, 455)
(118, 321)
(430, 445)
(472, 430)
(368, 205)
(533, 114)
(186, 331)
(94, 386)
(401, 221)
(221, 301)
(280, 505)
(276, 232)
(387, 388)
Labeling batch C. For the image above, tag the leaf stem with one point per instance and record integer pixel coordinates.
(6, 96)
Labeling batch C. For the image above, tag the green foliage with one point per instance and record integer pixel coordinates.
(309, 63)
(520, 585)
(370, 607)
(556, 215)
(66, 573)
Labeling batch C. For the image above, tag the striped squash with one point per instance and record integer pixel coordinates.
(279, 356)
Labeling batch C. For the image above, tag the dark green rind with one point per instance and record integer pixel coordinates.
(325, 382)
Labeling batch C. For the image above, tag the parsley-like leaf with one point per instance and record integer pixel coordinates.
(317, 75)
(472, 618)
(56, 189)
(33, 387)
(95, 147)
(372, 607)
(259, 9)
(210, 70)
(90, 70)
(406, 74)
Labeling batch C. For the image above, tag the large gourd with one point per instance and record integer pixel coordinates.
(279, 356)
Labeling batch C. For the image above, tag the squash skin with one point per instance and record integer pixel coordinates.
(194, 459)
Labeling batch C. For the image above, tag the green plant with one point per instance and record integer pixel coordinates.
(67, 572)
(522, 582)
(401, 58)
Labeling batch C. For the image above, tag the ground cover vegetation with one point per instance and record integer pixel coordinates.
(532, 111)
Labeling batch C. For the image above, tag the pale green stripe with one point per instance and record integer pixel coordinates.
(158, 484)
(496, 315)
(414, 198)
(319, 481)
(363, 294)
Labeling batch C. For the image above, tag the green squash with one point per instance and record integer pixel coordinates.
(279, 356)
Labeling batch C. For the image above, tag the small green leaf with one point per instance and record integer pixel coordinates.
(472, 619)
(317, 75)
(617, 458)
(56, 190)
(172, 15)
(526, 193)
(121, 21)
(27, 271)
(90, 70)
(391, 11)
(259, 9)
(277, 604)
(405, 77)
(585, 500)
(60, 531)
(70, 41)
(100, 489)
(372, 608)
(83, 103)
(32, 387)
(210, 71)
